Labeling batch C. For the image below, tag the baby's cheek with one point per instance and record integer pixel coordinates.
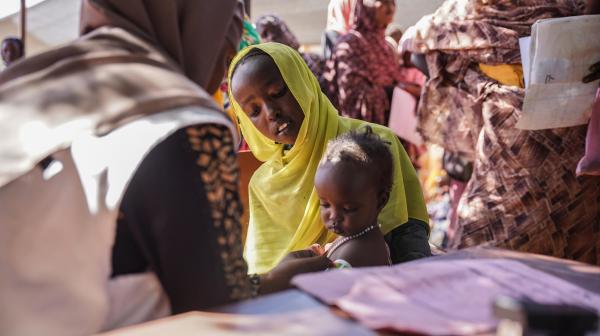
(324, 215)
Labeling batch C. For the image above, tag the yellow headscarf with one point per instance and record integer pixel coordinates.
(284, 206)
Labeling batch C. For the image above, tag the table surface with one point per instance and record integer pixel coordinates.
(283, 302)
(582, 275)
(295, 301)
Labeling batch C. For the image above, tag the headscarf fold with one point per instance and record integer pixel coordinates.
(284, 206)
(140, 58)
(192, 33)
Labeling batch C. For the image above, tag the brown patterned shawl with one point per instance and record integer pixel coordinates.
(142, 57)
(523, 194)
(361, 67)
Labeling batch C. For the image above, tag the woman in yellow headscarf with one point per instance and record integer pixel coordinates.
(287, 122)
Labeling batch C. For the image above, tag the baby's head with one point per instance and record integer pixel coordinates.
(353, 181)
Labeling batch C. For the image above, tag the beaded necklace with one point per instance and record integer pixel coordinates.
(342, 241)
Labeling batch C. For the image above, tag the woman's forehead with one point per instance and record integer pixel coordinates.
(260, 69)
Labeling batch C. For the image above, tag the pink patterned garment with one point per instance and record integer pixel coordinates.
(362, 66)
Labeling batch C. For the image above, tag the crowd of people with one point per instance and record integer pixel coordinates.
(119, 179)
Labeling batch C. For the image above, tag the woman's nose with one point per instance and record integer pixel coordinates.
(272, 112)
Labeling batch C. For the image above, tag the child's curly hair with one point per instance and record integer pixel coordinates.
(366, 150)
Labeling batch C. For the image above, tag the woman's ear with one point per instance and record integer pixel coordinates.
(382, 199)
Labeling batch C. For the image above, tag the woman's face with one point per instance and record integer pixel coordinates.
(260, 90)
(384, 12)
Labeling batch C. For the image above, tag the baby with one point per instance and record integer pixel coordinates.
(353, 181)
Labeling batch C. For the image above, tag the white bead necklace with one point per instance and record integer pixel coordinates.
(340, 242)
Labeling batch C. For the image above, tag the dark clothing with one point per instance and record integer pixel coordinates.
(409, 241)
(166, 223)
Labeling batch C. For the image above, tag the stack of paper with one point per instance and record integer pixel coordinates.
(555, 60)
(439, 297)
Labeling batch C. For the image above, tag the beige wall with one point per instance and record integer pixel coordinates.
(55, 21)
(11, 28)
(50, 23)
(307, 18)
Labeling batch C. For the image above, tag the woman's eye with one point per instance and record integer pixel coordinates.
(280, 93)
(349, 209)
(254, 111)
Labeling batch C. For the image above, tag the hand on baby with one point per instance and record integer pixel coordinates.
(320, 250)
(297, 262)
(317, 249)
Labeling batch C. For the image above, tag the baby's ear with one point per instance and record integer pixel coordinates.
(382, 199)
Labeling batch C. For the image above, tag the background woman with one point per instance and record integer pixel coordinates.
(363, 70)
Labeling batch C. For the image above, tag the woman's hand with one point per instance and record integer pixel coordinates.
(318, 249)
(411, 88)
(297, 262)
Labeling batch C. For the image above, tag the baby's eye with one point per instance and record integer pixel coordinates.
(349, 208)
(280, 93)
(324, 205)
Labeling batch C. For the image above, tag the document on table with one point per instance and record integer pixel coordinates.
(554, 62)
(439, 297)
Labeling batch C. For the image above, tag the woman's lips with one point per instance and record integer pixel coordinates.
(282, 127)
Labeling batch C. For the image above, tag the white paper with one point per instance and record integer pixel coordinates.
(561, 51)
(449, 297)
(524, 43)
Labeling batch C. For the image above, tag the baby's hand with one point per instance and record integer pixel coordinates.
(317, 249)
